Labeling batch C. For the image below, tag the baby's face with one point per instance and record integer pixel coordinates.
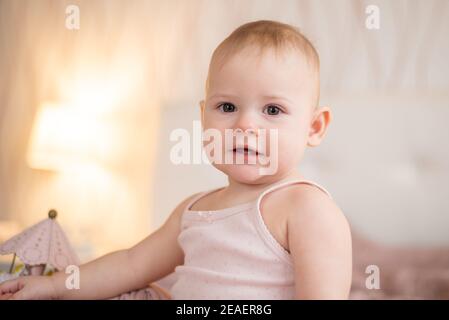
(267, 92)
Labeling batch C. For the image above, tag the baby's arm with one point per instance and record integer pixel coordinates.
(113, 274)
(319, 240)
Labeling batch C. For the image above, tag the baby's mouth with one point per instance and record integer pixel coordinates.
(245, 151)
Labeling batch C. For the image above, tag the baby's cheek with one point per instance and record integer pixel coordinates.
(291, 147)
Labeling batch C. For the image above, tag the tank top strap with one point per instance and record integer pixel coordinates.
(262, 228)
(290, 182)
(198, 197)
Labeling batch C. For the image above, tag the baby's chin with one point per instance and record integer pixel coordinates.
(244, 173)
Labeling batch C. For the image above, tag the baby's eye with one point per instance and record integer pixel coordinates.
(227, 107)
(272, 110)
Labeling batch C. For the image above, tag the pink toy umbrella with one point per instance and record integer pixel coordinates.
(43, 243)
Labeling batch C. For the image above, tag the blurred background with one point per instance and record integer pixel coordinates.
(86, 114)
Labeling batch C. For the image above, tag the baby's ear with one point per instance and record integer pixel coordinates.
(320, 122)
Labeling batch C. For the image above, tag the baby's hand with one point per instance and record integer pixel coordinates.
(28, 288)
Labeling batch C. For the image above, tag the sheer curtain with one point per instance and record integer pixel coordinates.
(115, 68)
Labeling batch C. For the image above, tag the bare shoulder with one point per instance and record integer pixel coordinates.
(314, 216)
(184, 203)
(319, 239)
(295, 211)
(308, 204)
(176, 214)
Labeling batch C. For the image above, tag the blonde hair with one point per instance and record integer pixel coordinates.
(263, 35)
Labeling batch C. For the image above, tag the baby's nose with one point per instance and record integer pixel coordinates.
(246, 124)
(247, 130)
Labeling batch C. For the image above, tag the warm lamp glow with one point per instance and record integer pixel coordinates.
(64, 137)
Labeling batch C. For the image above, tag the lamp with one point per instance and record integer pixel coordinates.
(66, 137)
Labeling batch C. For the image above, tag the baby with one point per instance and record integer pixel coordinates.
(267, 234)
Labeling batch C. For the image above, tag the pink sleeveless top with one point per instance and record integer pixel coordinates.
(231, 254)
